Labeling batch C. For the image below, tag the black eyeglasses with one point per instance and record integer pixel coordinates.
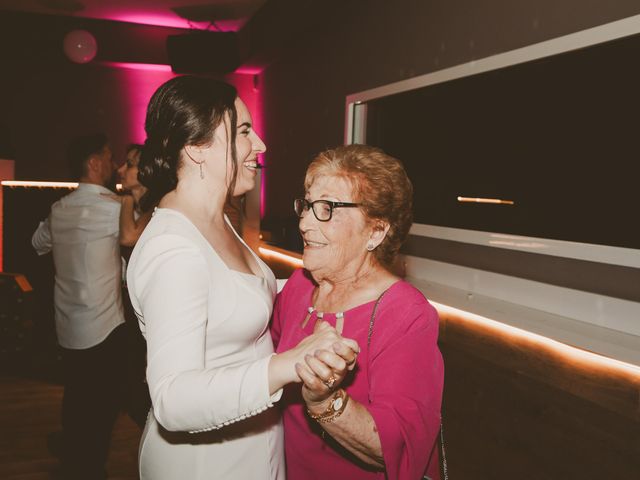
(322, 209)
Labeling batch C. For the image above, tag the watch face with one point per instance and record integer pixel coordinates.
(337, 404)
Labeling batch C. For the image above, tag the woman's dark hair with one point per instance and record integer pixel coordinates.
(183, 111)
(134, 147)
(80, 150)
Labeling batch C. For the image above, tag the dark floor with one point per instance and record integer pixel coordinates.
(29, 410)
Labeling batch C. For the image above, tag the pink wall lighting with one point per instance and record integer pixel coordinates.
(150, 67)
(248, 86)
(139, 81)
(159, 19)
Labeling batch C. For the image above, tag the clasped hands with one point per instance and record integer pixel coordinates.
(326, 363)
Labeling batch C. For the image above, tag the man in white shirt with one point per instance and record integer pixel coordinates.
(82, 231)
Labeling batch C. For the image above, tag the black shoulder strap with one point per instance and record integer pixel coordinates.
(373, 319)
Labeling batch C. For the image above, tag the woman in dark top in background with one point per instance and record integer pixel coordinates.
(133, 219)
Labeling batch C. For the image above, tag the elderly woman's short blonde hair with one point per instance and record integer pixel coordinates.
(380, 184)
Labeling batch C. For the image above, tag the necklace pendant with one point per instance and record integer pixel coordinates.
(319, 318)
(306, 318)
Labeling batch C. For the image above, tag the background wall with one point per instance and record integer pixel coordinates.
(513, 409)
(45, 106)
(45, 98)
(368, 43)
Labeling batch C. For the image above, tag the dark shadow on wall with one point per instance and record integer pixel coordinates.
(33, 339)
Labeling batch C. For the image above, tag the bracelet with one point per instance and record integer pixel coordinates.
(334, 410)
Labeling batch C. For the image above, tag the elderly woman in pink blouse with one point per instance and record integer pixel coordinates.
(377, 416)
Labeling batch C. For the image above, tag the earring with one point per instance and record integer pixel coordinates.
(370, 247)
(196, 162)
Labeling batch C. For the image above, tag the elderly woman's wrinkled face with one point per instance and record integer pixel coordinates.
(334, 250)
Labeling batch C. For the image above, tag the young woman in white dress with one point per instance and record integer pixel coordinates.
(204, 299)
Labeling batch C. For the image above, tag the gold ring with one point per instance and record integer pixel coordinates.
(329, 382)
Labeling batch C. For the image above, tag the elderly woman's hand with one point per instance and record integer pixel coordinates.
(283, 366)
(325, 370)
(323, 338)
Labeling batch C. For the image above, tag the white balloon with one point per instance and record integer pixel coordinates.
(80, 46)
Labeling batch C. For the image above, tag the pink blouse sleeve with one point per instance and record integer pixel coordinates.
(406, 381)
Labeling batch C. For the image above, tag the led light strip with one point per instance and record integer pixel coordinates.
(495, 201)
(569, 352)
(32, 183)
(293, 261)
(150, 67)
(38, 184)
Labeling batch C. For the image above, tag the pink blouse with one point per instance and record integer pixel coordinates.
(399, 380)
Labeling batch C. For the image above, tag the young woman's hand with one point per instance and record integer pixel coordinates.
(282, 368)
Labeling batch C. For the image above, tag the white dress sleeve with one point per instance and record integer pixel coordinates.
(170, 284)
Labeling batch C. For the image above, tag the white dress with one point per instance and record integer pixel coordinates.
(208, 350)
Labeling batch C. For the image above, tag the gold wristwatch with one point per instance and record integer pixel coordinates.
(337, 405)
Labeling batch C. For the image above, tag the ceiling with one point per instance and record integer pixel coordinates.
(138, 31)
(199, 14)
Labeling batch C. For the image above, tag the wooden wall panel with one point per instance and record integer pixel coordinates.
(519, 407)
